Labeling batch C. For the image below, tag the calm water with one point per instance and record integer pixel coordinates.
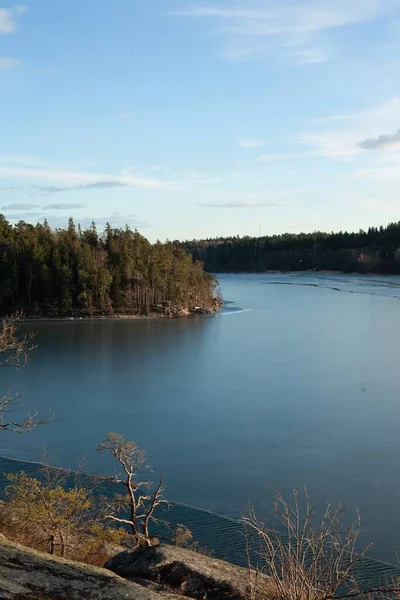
(296, 381)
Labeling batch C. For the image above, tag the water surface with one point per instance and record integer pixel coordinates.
(296, 381)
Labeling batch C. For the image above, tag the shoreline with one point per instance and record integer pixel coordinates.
(308, 272)
(210, 527)
(111, 318)
(187, 313)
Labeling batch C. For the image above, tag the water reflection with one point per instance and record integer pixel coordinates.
(301, 387)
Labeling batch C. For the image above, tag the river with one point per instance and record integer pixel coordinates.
(296, 381)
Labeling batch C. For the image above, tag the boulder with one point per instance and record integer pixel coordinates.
(26, 574)
(190, 573)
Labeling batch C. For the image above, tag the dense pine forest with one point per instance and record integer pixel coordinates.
(81, 273)
(374, 251)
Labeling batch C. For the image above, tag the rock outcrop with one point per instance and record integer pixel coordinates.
(190, 573)
(29, 575)
(157, 573)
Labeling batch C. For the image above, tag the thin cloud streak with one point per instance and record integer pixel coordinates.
(77, 178)
(337, 137)
(249, 143)
(289, 30)
(53, 178)
(241, 204)
(295, 17)
(25, 160)
(99, 185)
(63, 206)
(19, 207)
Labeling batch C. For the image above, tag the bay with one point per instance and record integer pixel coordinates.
(296, 381)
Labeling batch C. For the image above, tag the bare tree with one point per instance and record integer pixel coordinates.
(139, 505)
(15, 349)
(309, 554)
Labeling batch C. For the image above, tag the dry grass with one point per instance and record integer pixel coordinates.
(309, 554)
(93, 549)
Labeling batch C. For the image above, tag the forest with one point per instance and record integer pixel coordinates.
(75, 272)
(374, 251)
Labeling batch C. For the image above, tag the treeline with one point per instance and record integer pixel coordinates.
(374, 251)
(81, 273)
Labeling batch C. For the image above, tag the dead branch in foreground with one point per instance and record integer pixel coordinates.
(139, 505)
(15, 349)
(309, 555)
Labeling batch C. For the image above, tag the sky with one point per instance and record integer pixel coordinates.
(189, 119)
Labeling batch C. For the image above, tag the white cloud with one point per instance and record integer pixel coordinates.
(7, 23)
(25, 160)
(7, 18)
(381, 174)
(250, 143)
(331, 143)
(58, 176)
(339, 137)
(384, 114)
(240, 204)
(311, 56)
(251, 31)
(63, 206)
(79, 178)
(9, 63)
(99, 185)
(19, 207)
(270, 158)
(240, 54)
(294, 16)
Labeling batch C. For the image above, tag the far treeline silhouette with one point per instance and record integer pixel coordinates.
(374, 251)
(81, 273)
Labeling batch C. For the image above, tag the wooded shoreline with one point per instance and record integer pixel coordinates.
(66, 319)
(82, 273)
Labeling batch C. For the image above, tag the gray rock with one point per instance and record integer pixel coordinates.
(190, 573)
(29, 575)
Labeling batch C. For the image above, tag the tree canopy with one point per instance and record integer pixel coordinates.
(374, 251)
(80, 272)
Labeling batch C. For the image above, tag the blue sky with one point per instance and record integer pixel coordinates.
(188, 119)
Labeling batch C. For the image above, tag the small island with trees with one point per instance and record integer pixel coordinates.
(71, 272)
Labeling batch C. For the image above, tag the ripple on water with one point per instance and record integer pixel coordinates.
(223, 537)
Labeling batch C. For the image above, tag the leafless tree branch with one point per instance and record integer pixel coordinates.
(310, 554)
(15, 349)
(140, 506)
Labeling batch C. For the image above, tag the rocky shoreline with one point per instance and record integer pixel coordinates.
(153, 573)
(160, 311)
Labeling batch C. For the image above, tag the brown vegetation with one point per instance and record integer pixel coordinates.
(57, 516)
(15, 349)
(309, 553)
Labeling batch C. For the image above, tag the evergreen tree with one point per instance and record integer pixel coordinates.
(79, 272)
(372, 251)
